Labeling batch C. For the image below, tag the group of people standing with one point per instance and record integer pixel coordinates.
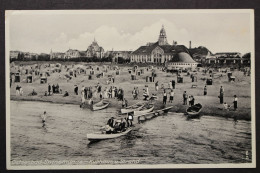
(54, 89)
(221, 99)
(86, 93)
(165, 96)
(112, 92)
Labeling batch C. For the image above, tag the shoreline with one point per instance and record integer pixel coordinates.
(178, 108)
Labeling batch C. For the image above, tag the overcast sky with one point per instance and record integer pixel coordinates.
(41, 31)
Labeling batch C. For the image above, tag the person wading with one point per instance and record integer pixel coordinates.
(43, 116)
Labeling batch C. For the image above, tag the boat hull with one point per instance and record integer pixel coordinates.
(98, 137)
(151, 115)
(129, 110)
(100, 105)
(194, 113)
(136, 113)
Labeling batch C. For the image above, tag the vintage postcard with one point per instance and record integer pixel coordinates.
(110, 89)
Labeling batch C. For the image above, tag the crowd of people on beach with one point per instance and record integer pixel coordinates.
(88, 93)
(167, 91)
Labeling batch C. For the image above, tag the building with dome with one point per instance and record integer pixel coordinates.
(161, 52)
(182, 60)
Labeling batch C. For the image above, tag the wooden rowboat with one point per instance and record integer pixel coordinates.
(194, 110)
(132, 108)
(100, 136)
(151, 115)
(144, 110)
(100, 105)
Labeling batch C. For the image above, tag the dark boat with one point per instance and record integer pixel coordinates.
(194, 110)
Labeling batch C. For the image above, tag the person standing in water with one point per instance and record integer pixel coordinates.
(43, 116)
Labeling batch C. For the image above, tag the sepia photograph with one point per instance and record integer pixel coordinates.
(111, 89)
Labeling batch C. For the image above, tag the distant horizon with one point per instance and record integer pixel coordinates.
(43, 31)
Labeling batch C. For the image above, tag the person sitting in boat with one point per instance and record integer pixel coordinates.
(110, 122)
(109, 129)
(130, 119)
(127, 122)
(123, 125)
(118, 126)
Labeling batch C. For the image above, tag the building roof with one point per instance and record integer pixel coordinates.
(184, 57)
(166, 48)
(82, 53)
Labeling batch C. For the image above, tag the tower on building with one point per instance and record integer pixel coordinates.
(162, 37)
(190, 45)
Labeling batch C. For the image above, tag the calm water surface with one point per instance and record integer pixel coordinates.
(165, 139)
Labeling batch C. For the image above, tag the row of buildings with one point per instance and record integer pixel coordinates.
(160, 52)
(93, 50)
(176, 56)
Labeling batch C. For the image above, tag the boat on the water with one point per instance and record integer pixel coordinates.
(144, 110)
(151, 115)
(194, 110)
(101, 136)
(132, 108)
(100, 105)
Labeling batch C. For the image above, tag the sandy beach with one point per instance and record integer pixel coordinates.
(211, 106)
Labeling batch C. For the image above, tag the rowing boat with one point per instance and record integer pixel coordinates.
(144, 110)
(132, 108)
(100, 136)
(100, 105)
(194, 110)
(151, 115)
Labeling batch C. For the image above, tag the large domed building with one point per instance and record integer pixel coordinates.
(161, 52)
(182, 60)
